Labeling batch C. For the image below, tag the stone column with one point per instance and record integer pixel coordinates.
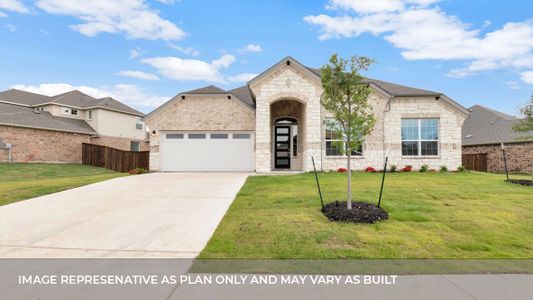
(262, 136)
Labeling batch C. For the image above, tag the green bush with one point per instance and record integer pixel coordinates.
(461, 169)
(393, 168)
(141, 170)
(443, 168)
(424, 168)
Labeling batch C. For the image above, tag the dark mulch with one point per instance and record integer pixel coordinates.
(521, 181)
(361, 212)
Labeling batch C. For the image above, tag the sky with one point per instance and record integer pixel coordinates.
(145, 52)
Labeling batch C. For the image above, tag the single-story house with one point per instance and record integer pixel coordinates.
(39, 128)
(276, 122)
(485, 130)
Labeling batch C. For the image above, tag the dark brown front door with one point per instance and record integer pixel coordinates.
(282, 147)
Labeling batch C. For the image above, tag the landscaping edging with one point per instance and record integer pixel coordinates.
(361, 212)
(521, 182)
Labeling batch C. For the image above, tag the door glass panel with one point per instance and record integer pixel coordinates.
(219, 135)
(282, 154)
(196, 135)
(241, 136)
(282, 130)
(282, 138)
(282, 146)
(282, 161)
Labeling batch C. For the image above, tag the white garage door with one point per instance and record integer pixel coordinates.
(207, 151)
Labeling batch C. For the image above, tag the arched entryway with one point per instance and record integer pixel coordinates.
(287, 134)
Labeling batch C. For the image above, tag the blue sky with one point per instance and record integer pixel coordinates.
(144, 52)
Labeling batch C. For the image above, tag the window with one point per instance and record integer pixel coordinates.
(138, 123)
(65, 110)
(135, 146)
(196, 135)
(244, 136)
(420, 137)
(334, 142)
(172, 136)
(74, 112)
(89, 115)
(219, 135)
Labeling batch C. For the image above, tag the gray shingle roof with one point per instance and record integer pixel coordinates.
(23, 97)
(245, 94)
(487, 126)
(16, 115)
(210, 89)
(72, 98)
(392, 88)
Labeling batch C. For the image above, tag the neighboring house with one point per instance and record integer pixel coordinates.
(52, 129)
(483, 132)
(276, 122)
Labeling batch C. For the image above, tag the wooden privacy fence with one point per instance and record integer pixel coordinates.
(113, 159)
(475, 162)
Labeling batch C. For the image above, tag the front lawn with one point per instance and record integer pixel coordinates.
(20, 181)
(432, 215)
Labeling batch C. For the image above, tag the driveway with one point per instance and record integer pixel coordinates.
(153, 215)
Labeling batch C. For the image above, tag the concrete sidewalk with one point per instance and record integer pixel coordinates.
(152, 215)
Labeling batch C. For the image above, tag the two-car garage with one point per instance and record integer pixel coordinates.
(206, 151)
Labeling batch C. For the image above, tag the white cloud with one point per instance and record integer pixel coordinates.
(191, 69)
(3, 15)
(527, 77)
(167, 1)
(423, 32)
(512, 85)
(10, 27)
(14, 5)
(185, 50)
(134, 53)
(125, 93)
(138, 75)
(243, 77)
(252, 48)
(132, 17)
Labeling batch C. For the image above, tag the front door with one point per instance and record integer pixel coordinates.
(282, 147)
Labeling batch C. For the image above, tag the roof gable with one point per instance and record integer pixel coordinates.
(23, 97)
(287, 61)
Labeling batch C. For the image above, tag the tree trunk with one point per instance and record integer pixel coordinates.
(349, 170)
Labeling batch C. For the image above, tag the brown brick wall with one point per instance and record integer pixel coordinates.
(118, 143)
(35, 145)
(519, 156)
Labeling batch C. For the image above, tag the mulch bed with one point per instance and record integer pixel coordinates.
(521, 181)
(361, 212)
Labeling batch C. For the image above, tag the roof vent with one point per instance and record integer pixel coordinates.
(288, 62)
(37, 111)
(493, 122)
(183, 97)
(469, 136)
(229, 97)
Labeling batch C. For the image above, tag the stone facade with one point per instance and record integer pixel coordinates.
(119, 143)
(519, 156)
(198, 113)
(288, 83)
(35, 145)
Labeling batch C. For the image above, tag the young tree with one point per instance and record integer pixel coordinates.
(527, 122)
(346, 97)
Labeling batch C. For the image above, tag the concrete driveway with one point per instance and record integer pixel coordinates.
(153, 215)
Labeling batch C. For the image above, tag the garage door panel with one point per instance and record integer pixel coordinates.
(207, 154)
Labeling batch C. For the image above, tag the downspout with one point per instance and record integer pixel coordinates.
(9, 148)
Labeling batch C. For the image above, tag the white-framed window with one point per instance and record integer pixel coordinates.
(335, 144)
(218, 136)
(89, 115)
(420, 137)
(197, 136)
(138, 123)
(174, 136)
(241, 136)
(74, 112)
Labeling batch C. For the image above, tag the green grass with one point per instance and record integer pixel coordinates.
(19, 181)
(431, 215)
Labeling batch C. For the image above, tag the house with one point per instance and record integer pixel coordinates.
(276, 122)
(486, 129)
(41, 128)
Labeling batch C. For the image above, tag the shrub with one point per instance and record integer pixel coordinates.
(138, 171)
(393, 168)
(407, 168)
(341, 170)
(432, 170)
(461, 169)
(423, 168)
(443, 168)
(370, 170)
